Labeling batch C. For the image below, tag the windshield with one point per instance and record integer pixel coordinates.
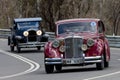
(28, 25)
(77, 27)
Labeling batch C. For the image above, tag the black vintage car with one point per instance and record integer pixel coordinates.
(27, 33)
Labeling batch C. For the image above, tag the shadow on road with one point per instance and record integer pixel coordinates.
(27, 51)
(69, 70)
(77, 70)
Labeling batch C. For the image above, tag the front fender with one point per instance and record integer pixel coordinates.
(97, 49)
(51, 52)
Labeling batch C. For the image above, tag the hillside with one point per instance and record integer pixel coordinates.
(53, 10)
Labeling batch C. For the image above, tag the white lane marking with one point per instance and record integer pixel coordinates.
(2, 39)
(33, 65)
(105, 75)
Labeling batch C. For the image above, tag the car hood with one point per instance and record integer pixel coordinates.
(84, 35)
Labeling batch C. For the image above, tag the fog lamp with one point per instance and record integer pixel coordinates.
(84, 47)
(62, 48)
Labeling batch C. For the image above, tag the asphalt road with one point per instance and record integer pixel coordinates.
(29, 65)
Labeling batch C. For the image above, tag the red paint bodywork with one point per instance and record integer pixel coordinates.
(100, 47)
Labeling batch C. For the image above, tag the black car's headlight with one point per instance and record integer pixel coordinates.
(25, 33)
(39, 32)
(90, 42)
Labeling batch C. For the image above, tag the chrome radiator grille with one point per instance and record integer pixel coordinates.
(73, 49)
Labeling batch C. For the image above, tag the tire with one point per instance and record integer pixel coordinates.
(38, 47)
(18, 49)
(49, 68)
(11, 48)
(100, 66)
(58, 68)
(9, 40)
(106, 64)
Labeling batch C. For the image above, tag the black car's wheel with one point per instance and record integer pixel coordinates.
(12, 48)
(18, 49)
(9, 40)
(38, 47)
(49, 68)
(100, 66)
(58, 67)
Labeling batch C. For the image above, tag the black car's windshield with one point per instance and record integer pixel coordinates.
(27, 25)
(77, 27)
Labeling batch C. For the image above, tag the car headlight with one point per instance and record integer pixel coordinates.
(84, 47)
(39, 32)
(56, 44)
(25, 33)
(62, 48)
(90, 42)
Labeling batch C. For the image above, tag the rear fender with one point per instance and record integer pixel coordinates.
(107, 50)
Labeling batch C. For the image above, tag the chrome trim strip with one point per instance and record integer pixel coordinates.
(52, 59)
(93, 57)
(73, 36)
(53, 62)
(95, 61)
(31, 44)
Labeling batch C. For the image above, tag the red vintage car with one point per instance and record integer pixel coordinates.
(78, 42)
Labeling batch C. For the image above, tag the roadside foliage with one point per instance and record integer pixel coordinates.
(53, 10)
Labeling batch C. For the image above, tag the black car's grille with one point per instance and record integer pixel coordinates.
(73, 47)
(32, 36)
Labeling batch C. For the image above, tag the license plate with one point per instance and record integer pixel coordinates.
(73, 61)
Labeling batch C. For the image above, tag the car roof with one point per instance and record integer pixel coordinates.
(27, 19)
(77, 19)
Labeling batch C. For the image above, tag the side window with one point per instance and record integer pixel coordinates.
(100, 27)
(14, 26)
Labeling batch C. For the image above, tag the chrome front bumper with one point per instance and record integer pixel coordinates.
(31, 44)
(85, 60)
